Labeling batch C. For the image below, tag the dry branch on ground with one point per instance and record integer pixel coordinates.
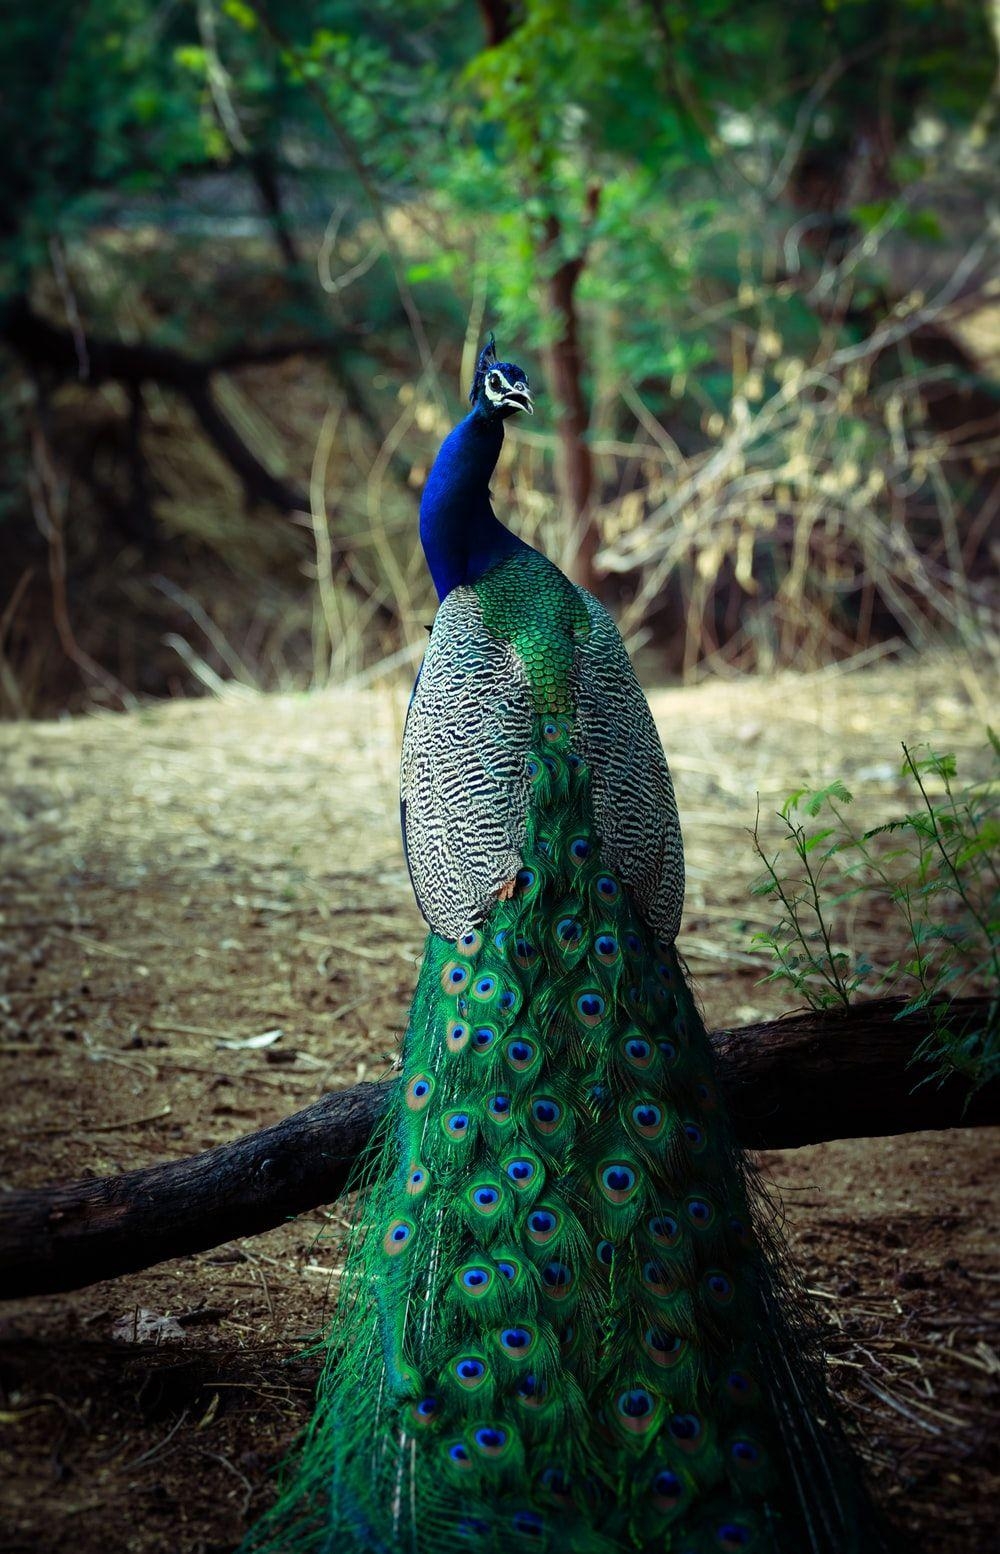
(839, 1074)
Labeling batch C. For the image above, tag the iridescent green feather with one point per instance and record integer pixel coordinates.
(556, 1253)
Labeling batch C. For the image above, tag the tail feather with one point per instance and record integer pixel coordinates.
(581, 1347)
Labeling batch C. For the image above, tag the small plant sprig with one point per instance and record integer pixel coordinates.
(936, 869)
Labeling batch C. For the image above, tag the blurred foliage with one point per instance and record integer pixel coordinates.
(777, 217)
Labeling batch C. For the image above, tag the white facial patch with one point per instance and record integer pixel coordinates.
(498, 385)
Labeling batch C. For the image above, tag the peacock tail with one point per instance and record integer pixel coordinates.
(560, 1322)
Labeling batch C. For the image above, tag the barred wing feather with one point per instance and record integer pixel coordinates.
(463, 782)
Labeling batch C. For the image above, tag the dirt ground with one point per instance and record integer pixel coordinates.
(179, 880)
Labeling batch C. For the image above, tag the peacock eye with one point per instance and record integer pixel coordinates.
(493, 380)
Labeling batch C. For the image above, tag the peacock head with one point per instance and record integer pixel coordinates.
(499, 388)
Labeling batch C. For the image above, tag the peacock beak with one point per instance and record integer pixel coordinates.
(518, 399)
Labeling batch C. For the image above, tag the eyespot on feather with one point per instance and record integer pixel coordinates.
(590, 1007)
(706, 1096)
(700, 1211)
(658, 1278)
(647, 1119)
(734, 1537)
(510, 1268)
(532, 1391)
(568, 933)
(499, 1108)
(617, 1182)
(484, 1198)
(546, 1114)
(745, 1454)
(424, 1413)
(472, 1527)
(688, 1432)
(606, 948)
(664, 1349)
(520, 1054)
(525, 954)
(474, 1281)
(719, 1286)
(457, 1126)
(664, 1229)
(553, 1481)
(398, 1237)
(521, 1171)
(740, 1386)
(418, 1092)
(637, 1410)
(483, 1038)
(470, 1372)
(491, 1440)
(457, 1036)
(695, 1136)
(606, 888)
(636, 1051)
(667, 1490)
(739, 1231)
(517, 1343)
(542, 1225)
(454, 978)
(568, 1337)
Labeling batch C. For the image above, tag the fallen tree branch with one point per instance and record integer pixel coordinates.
(801, 1080)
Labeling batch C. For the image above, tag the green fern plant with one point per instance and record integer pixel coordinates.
(936, 870)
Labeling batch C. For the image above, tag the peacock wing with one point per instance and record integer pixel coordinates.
(463, 779)
(632, 794)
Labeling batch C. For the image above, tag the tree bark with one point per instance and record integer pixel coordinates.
(575, 466)
(801, 1080)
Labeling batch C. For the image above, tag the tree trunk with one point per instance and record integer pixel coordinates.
(795, 1081)
(575, 467)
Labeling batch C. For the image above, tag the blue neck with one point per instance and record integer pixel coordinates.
(461, 535)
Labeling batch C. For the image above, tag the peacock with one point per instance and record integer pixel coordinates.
(562, 1324)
